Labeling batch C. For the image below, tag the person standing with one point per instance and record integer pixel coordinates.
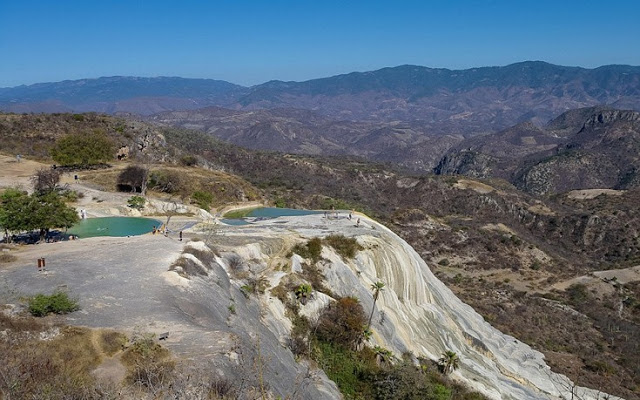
(180, 236)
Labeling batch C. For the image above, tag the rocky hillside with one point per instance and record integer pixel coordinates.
(410, 144)
(511, 256)
(581, 149)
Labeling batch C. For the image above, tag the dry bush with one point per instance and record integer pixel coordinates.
(187, 268)
(46, 179)
(58, 368)
(111, 342)
(7, 258)
(342, 323)
(221, 388)
(17, 324)
(206, 256)
(237, 266)
(150, 366)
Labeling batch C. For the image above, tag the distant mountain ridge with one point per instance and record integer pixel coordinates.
(119, 94)
(470, 101)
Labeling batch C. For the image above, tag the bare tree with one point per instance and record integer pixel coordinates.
(134, 178)
(46, 180)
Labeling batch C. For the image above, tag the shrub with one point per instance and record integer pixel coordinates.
(346, 247)
(7, 258)
(578, 293)
(202, 199)
(83, 150)
(188, 160)
(58, 303)
(166, 181)
(303, 292)
(351, 371)
(136, 202)
(150, 364)
(310, 250)
(342, 323)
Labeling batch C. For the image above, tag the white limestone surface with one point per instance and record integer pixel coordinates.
(416, 312)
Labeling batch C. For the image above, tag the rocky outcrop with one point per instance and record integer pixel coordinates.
(415, 313)
(601, 152)
(469, 163)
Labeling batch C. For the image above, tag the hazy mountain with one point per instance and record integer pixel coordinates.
(466, 101)
(119, 94)
(477, 100)
(581, 149)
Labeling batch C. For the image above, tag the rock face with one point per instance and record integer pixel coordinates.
(415, 313)
(582, 149)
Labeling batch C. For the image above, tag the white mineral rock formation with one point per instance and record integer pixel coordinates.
(416, 312)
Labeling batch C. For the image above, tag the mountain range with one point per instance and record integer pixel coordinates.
(414, 116)
(447, 101)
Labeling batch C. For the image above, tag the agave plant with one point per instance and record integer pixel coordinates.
(303, 292)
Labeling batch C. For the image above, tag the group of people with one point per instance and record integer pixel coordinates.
(334, 214)
(163, 229)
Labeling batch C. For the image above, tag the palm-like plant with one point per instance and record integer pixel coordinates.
(383, 356)
(303, 292)
(449, 362)
(377, 288)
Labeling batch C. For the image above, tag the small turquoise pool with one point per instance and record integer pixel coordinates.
(269, 212)
(113, 226)
(273, 212)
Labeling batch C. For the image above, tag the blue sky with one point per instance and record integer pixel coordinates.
(250, 42)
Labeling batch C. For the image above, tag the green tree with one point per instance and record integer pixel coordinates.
(43, 211)
(202, 199)
(14, 211)
(449, 362)
(83, 150)
(50, 211)
(377, 288)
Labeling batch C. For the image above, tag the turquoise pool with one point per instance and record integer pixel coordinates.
(273, 212)
(269, 212)
(113, 226)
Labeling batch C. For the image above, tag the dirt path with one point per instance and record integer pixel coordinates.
(111, 370)
(17, 174)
